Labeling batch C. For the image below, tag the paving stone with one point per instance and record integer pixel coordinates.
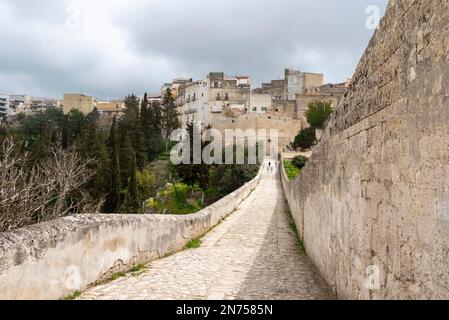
(253, 254)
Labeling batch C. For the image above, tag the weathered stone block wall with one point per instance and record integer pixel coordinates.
(54, 259)
(376, 190)
(287, 127)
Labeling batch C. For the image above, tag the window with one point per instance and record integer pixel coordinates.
(264, 109)
(216, 84)
(226, 96)
(254, 109)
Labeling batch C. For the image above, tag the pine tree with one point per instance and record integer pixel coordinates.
(113, 198)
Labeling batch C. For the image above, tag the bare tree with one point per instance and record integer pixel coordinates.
(48, 190)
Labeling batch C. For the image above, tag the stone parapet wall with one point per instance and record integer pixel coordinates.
(374, 196)
(54, 259)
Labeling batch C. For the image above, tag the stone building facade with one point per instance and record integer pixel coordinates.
(80, 102)
(295, 82)
(201, 101)
(230, 103)
(292, 95)
(330, 93)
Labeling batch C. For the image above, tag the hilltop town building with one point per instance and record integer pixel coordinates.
(80, 102)
(155, 98)
(87, 104)
(330, 93)
(295, 82)
(108, 110)
(201, 101)
(225, 102)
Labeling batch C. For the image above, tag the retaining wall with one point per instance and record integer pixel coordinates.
(372, 204)
(54, 259)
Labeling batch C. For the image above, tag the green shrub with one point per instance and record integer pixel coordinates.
(300, 162)
(194, 244)
(291, 170)
(318, 113)
(305, 139)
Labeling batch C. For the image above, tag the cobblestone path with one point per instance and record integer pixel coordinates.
(253, 254)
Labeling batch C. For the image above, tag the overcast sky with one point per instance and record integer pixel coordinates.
(109, 48)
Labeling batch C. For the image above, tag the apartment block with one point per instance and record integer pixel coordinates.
(5, 111)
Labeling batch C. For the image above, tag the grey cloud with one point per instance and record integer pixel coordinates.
(152, 42)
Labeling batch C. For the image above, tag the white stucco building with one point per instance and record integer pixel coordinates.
(5, 110)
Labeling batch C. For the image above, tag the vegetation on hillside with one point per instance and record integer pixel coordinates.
(317, 115)
(293, 167)
(55, 165)
(291, 170)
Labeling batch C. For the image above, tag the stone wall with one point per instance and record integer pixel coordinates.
(287, 127)
(54, 259)
(375, 194)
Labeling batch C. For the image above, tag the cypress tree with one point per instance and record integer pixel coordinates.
(155, 119)
(132, 199)
(145, 119)
(65, 133)
(132, 123)
(192, 174)
(92, 145)
(151, 119)
(170, 117)
(113, 199)
(126, 155)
